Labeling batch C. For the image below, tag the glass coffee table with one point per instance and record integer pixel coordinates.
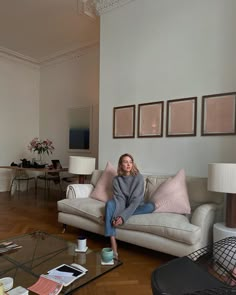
(41, 252)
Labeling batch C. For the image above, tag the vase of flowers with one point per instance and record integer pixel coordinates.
(41, 147)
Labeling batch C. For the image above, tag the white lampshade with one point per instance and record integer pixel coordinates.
(81, 165)
(222, 177)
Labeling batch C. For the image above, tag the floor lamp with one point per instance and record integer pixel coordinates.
(222, 178)
(81, 166)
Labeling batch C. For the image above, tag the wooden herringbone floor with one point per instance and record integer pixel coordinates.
(23, 213)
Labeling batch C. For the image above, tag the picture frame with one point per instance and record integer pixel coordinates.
(218, 114)
(124, 121)
(150, 119)
(80, 124)
(181, 119)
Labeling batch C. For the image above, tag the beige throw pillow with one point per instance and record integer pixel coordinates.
(103, 188)
(172, 196)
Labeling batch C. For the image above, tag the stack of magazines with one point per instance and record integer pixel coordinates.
(57, 278)
(45, 286)
(8, 246)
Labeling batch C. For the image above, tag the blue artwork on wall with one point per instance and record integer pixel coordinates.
(79, 139)
(80, 128)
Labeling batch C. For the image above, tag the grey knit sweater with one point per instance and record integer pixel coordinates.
(128, 193)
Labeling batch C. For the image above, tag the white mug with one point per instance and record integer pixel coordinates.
(82, 243)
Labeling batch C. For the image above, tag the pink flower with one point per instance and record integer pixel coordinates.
(41, 146)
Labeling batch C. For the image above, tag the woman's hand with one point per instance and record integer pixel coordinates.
(118, 221)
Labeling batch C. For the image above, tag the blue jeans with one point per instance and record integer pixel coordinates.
(110, 208)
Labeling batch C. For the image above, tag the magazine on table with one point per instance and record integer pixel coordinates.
(56, 279)
(66, 274)
(8, 246)
(45, 286)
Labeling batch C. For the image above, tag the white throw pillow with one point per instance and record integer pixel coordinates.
(103, 189)
(172, 196)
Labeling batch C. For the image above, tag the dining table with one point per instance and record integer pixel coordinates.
(19, 169)
(45, 169)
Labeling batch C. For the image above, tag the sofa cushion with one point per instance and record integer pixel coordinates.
(103, 188)
(95, 177)
(199, 194)
(152, 183)
(196, 187)
(172, 196)
(86, 207)
(168, 225)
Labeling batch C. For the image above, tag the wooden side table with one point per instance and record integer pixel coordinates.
(220, 231)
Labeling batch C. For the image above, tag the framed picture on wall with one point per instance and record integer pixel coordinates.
(80, 128)
(150, 119)
(218, 114)
(124, 121)
(181, 117)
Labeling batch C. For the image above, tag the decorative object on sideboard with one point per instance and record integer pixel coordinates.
(41, 147)
(222, 178)
(81, 166)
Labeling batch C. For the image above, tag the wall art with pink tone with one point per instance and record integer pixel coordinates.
(181, 119)
(150, 119)
(124, 121)
(218, 114)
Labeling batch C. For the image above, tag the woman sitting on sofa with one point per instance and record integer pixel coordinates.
(127, 200)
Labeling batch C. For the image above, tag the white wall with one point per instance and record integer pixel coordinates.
(166, 49)
(70, 82)
(19, 111)
(35, 102)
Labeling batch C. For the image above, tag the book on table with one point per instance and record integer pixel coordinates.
(45, 286)
(8, 246)
(56, 279)
(65, 273)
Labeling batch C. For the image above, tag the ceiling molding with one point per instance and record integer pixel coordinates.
(68, 52)
(55, 58)
(103, 6)
(11, 53)
(73, 54)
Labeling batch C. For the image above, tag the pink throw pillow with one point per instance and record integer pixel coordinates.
(172, 195)
(103, 189)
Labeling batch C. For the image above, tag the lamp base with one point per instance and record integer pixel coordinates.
(81, 179)
(230, 210)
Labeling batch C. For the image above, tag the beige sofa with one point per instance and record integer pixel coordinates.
(175, 234)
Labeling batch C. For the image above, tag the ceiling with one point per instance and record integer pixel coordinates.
(38, 30)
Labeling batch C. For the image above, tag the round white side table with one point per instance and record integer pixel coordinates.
(220, 231)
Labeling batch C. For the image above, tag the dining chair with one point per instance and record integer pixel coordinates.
(21, 176)
(49, 177)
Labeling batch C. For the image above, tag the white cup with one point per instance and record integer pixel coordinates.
(82, 243)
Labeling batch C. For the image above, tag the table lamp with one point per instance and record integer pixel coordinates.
(222, 178)
(81, 166)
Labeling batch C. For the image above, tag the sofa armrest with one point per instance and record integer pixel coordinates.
(75, 191)
(204, 215)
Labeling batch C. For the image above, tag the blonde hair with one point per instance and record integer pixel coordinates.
(134, 171)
